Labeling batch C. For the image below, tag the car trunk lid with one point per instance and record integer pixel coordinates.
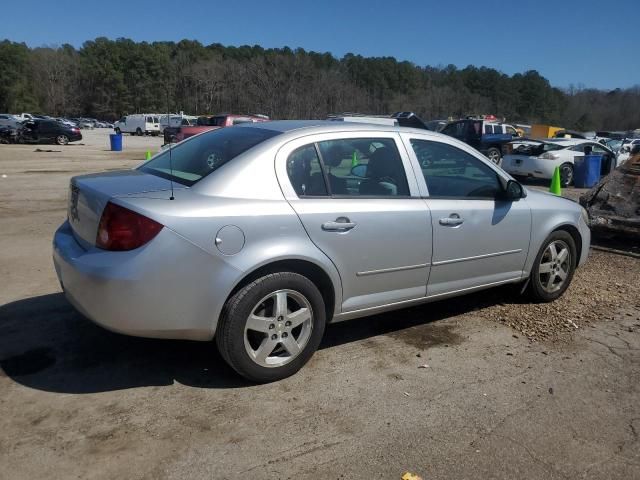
(89, 194)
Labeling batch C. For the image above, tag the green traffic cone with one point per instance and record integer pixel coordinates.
(148, 155)
(354, 159)
(555, 183)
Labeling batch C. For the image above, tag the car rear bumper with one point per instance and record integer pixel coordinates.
(524, 166)
(166, 289)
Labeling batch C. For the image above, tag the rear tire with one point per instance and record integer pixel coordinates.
(139, 132)
(259, 335)
(494, 155)
(566, 174)
(553, 269)
(62, 140)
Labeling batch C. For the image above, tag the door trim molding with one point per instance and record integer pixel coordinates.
(476, 257)
(392, 269)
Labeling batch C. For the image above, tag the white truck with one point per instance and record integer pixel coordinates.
(139, 124)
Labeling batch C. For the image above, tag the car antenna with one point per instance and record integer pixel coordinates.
(170, 146)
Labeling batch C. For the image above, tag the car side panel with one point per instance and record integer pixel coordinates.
(271, 231)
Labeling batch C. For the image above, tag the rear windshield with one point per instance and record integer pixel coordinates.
(197, 157)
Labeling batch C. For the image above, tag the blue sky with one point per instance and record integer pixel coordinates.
(589, 42)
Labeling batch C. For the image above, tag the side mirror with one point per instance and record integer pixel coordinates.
(513, 191)
(359, 171)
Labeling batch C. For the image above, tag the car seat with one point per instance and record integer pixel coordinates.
(385, 175)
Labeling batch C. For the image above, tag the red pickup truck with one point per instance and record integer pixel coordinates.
(216, 121)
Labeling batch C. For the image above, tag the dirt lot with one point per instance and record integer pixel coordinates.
(507, 389)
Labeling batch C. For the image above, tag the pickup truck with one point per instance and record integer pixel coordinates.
(214, 122)
(487, 137)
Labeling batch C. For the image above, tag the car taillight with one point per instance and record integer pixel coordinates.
(122, 229)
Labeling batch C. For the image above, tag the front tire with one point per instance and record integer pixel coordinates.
(270, 328)
(118, 132)
(553, 268)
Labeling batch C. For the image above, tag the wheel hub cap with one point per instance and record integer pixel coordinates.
(554, 266)
(278, 328)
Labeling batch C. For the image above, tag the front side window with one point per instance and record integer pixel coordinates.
(363, 167)
(305, 172)
(512, 131)
(201, 155)
(453, 173)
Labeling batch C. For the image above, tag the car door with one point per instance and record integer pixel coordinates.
(478, 239)
(357, 198)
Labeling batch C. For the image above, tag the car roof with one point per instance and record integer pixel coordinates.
(320, 126)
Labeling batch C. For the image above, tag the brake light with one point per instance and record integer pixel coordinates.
(122, 229)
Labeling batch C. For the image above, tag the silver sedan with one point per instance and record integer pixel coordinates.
(261, 234)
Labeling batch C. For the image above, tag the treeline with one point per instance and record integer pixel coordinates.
(108, 78)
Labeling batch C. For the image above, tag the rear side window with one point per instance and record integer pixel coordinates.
(305, 172)
(354, 167)
(364, 167)
(202, 155)
(488, 129)
(453, 173)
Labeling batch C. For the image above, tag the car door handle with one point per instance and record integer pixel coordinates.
(341, 224)
(451, 221)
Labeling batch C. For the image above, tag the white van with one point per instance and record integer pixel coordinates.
(139, 124)
(176, 120)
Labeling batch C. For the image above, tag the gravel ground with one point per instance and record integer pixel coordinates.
(598, 289)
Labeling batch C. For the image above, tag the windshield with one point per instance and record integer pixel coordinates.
(194, 159)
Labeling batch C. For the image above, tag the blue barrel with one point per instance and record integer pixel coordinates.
(116, 142)
(586, 170)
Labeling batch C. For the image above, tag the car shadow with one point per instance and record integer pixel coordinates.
(47, 345)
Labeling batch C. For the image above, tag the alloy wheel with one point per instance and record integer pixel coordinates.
(62, 140)
(278, 328)
(555, 265)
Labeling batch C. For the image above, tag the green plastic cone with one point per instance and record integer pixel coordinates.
(354, 160)
(148, 156)
(555, 183)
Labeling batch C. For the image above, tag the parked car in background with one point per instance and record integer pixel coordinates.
(272, 232)
(176, 120)
(138, 124)
(214, 122)
(410, 119)
(67, 122)
(8, 120)
(9, 134)
(25, 116)
(627, 145)
(539, 158)
(170, 133)
(487, 137)
(48, 131)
